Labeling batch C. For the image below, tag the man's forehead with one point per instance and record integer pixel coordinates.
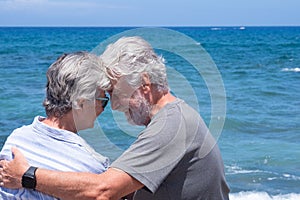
(120, 82)
(122, 87)
(113, 82)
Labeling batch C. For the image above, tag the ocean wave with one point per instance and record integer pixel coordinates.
(250, 195)
(296, 69)
(291, 177)
(234, 169)
(238, 170)
(215, 29)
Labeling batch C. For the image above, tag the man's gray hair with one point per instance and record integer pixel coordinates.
(131, 57)
(73, 77)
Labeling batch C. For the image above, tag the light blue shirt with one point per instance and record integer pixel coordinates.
(50, 148)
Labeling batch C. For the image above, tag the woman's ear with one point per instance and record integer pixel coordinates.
(146, 84)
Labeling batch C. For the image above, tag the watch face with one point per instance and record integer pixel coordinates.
(28, 179)
(28, 182)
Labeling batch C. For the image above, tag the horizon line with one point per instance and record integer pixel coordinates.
(137, 26)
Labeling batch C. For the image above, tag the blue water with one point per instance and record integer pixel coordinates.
(260, 69)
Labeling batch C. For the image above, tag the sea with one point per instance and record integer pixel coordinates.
(248, 87)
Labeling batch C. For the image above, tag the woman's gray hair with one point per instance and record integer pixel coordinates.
(131, 57)
(73, 77)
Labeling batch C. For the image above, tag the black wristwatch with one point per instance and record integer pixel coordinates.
(29, 179)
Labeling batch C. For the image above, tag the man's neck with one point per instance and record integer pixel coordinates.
(162, 102)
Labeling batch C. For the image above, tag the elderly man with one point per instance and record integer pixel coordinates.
(164, 162)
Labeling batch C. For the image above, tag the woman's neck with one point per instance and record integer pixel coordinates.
(65, 122)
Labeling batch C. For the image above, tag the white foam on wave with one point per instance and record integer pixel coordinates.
(234, 169)
(296, 69)
(238, 170)
(251, 195)
(215, 29)
(291, 177)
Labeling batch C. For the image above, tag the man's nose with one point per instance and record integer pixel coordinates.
(119, 103)
(114, 103)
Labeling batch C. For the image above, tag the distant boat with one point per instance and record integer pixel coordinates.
(242, 27)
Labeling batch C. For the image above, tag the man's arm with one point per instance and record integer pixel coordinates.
(112, 184)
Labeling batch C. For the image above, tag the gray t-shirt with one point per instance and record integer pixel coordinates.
(176, 157)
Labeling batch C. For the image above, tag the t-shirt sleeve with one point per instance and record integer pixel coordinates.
(6, 153)
(156, 151)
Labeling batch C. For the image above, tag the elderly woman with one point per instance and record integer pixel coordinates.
(74, 98)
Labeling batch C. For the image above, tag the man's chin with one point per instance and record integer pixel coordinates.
(131, 121)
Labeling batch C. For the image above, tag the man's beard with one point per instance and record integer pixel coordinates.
(139, 113)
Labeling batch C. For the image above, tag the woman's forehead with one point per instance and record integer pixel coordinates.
(99, 91)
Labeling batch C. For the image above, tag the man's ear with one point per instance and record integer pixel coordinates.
(80, 103)
(146, 84)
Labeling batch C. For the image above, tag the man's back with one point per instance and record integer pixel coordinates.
(175, 157)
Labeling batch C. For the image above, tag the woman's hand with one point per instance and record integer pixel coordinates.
(11, 172)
